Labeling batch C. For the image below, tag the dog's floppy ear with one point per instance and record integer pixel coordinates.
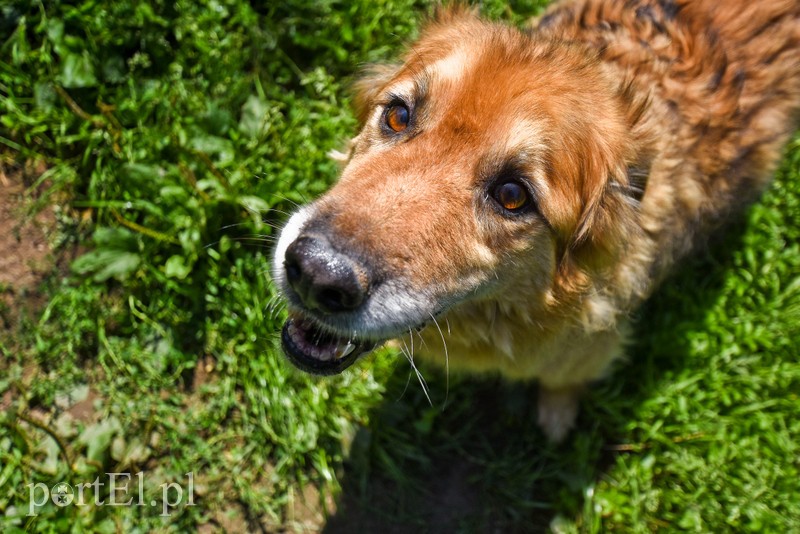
(605, 218)
(611, 186)
(368, 86)
(606, 223)
(604, 166)
(614, 168)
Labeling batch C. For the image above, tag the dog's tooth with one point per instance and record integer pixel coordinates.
(342, 352)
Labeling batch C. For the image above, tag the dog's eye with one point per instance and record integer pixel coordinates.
(397, 117)
(511, 195)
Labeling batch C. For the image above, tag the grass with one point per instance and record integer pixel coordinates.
(176, 135)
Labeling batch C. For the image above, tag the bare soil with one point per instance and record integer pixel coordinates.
(25, 255)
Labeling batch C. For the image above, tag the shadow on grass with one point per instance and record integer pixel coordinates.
(479, 464)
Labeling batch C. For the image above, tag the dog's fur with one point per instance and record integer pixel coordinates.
(638, 128)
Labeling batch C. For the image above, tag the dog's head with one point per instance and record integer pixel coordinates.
(489, 165)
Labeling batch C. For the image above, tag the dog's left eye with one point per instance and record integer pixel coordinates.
(511, 195)
(397, 117)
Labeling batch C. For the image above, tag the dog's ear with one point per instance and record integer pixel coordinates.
(603, 178)
(452, 11)
(611, 185)
(609, 202)
(368, 86)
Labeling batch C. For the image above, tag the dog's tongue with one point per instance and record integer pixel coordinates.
(318, 352)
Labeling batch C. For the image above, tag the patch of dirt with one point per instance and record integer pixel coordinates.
(230, 520)
(307, 512)
(85, 410)
(25, 255)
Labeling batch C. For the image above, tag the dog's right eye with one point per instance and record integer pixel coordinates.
(511, 196)
(397, 117)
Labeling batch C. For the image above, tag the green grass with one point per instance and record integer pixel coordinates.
(176, 137)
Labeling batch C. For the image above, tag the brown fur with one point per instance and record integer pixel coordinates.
(691, 101)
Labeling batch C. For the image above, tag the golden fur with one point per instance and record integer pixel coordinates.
(640, 125)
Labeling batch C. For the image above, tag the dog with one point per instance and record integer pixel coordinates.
(514, 194)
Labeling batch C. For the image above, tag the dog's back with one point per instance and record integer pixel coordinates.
(728, 70)
(723, 79)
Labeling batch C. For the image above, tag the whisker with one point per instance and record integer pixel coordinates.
(227, 226)
(290, 201)
(289, 185)
(275, 305)
(272, 285)
(422, 382)
(421, 339)
(446, 360)
(408, 380)
(285, 213)
(257, 237)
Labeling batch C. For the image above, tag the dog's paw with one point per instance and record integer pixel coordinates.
(558, 409)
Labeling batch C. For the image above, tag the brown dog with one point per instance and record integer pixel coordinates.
(513, 195)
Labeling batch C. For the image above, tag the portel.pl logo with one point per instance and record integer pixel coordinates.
(120, 493)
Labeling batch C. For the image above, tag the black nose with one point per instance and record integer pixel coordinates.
(323, 278)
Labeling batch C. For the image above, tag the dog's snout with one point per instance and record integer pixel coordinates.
(324, 279)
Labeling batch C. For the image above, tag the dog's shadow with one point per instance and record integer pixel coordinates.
(473, 460)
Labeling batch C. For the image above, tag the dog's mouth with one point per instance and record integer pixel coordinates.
(316, 351)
